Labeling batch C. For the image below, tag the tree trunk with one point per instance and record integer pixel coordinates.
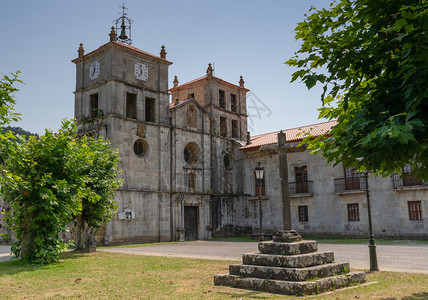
(80, 233)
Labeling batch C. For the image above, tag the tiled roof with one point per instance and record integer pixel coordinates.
(206, 77)
(125, 46)
(291, 135)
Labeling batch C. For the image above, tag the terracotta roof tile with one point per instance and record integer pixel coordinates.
(205, 77)
(291, 135)
(125, 46)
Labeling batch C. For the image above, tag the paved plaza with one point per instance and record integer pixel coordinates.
(398, 258)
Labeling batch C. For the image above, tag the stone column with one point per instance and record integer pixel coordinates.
(285, 187)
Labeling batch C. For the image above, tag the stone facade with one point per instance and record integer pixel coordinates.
(329, 198)
(177, 169)
(188, 168)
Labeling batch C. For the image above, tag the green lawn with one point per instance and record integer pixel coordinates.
(119, 276)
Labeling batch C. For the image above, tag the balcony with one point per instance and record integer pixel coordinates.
(303, 188)
(349, 185)
(408, 181)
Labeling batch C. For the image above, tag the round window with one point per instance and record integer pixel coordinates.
(140, 148)
(191, 153)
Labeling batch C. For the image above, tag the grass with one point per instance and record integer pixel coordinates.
(103, 275)
(332, 240)
(136, 245)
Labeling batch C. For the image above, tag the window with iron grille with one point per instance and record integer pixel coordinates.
(303, 213)
(353, 212)
(352, 179)
(221, 99)
(94, 105)
(410, 179)
(233, 103)
(235, 129)
(131, 105)
(260, 185)
(223, 126)
(150, 110)
(415, 210)
(301, 174)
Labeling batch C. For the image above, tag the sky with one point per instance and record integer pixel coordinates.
(248, 38)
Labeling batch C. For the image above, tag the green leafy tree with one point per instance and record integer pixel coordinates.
(55, 179)
(18, 130)
(102, 182)
(51, 180)
(7, 102)
(371, 57)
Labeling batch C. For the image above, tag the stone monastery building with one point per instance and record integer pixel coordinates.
(188, 162)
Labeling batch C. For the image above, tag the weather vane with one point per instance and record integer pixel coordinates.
(123, 23)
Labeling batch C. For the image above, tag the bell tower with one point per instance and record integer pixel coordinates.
(122, 94)
(123, 31)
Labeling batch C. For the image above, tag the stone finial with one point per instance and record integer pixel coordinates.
(175, 82)
(81, 51)
(113, 35)
(241, 81)
(248, 138)
(163, 52)
(210, 70)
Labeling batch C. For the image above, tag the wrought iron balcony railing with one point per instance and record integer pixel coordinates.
(350, 184)
(304, 187)
(408, 181)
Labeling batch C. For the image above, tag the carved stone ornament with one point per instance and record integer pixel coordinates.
(141, 130)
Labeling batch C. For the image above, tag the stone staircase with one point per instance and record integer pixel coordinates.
(289, 266)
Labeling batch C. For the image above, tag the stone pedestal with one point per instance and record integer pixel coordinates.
(290, 268)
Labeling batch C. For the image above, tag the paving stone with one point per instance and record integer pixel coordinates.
(290, 287)
(289, 261)
(289, 274)
(300, 247)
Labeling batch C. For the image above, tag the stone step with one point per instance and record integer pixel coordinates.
(289, 274)
(288, 261)
(294, 248)
(290, 287)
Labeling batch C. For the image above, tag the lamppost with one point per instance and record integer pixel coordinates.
(372, 247)
(259, 176)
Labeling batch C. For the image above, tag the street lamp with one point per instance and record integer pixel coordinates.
(259, 176)
(372, 247)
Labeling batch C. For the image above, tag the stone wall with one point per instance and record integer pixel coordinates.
(327, 208)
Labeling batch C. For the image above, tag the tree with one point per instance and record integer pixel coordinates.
(7, 102)
(55, 179)
(102, 181)
(371, 56)
(51, 180)
(44, 190)
(18, 130)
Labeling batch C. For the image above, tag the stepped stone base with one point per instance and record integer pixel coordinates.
(294, 248)
(290, 287)
(288, 261)
(289, 274)
(288, 266)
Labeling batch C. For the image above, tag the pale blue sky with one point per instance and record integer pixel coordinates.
(248, 38)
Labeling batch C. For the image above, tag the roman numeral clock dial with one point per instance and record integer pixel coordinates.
(94, 70)
(141, 71)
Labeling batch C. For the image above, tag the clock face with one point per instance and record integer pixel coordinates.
(94, 70)
(141, 71)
